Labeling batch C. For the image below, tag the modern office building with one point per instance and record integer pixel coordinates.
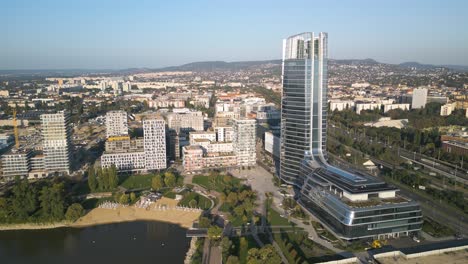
(56, 133)
(116, 124)
(154, 138)
(244, 141)
(419, 98)
(303, 102)
(352, 204)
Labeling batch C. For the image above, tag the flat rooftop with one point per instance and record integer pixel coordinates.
(353, 182)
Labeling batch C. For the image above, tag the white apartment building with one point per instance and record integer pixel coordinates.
(447, 109)
(208, 135)
(244, 141)
(224, 133)
(419, 98)
(272, 144)
(366, 106)
(339, 105)
(185, 121)
(16, 163)
(154, 136)
(125, 161)
(388, 107)
(116, 123)
(56, 135)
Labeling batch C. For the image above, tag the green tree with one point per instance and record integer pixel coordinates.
(123, 199)
(92, 181)
(204, 222)
(52, 201)
(169, 179)
(4, 209)
(24, 200)
(112, 177)
(215, 232)
(265, 255)
(74, 212)
(157, 182)
(132, 197)
(226, 246)
(193, 203)
(233, 260)
(232, 198)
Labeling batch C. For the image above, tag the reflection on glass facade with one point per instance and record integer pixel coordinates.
(304, 102)
(354, 205)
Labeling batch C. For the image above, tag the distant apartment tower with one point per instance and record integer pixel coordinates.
(154, 137)
(244, 141)
(56, 133)
(185, 122)
(116, 124)
(419, 98)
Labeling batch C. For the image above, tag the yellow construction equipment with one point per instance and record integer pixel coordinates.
(15, 129)
(118, 138)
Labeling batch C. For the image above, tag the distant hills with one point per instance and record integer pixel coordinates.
(218, 65)
(215, 65)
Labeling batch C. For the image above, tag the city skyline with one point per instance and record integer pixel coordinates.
(121, 35)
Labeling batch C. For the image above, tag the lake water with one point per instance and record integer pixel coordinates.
(129, 243)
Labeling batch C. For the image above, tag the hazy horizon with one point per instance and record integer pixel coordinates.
(53, 34)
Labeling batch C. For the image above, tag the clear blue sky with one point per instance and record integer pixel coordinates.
(96, 34)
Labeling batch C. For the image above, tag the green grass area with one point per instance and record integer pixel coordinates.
(202, 201)
(136, 181)
(275, 219)
(216, 182)
(435, 229)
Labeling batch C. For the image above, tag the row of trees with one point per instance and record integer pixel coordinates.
(239, 201)
(264, 255)
(102, 179)
(168, 179)
(43, 201)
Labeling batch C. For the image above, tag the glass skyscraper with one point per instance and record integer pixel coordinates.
(304, 103)
(353, 204)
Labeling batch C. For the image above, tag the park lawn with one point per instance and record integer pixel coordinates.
(202, 201)
(276, 219)
(218, 185)
(136, 181)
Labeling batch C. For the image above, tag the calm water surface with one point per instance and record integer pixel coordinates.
(129, 243)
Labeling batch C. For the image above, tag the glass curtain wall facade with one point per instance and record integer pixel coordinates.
(304, 103)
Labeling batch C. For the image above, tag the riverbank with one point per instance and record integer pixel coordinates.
(101, 216)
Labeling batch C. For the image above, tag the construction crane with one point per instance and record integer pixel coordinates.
(15, 129)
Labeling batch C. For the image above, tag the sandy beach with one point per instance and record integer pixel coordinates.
(100, 216)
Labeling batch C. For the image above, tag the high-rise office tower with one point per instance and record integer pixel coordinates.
(154, 136)
(303, 104)
(56, 133)
(244, 141)
(352, 204)
(116, 123)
